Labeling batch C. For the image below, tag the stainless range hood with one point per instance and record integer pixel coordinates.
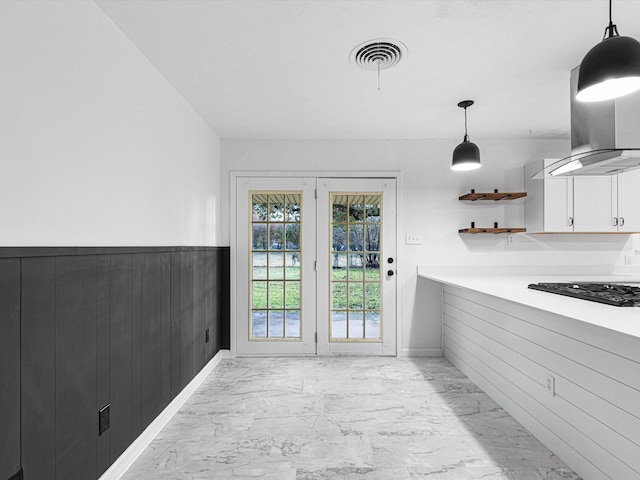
(605, 136)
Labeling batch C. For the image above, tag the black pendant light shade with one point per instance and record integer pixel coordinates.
(611, 68)
(466, 156)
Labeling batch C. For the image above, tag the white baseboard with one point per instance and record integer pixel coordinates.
(421, 352)
(124, 461)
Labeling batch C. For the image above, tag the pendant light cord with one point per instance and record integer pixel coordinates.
(466, 137)
(611, 30)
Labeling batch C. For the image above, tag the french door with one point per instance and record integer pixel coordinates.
(315, 266)
(356, 249)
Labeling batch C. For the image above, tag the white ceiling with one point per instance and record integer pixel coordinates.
(280, 69)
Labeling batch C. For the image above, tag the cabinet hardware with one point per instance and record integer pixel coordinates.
(571, 221)
(621, 221)
(615, 221)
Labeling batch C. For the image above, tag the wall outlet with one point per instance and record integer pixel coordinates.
(511, 239)
(412, 239)
(632, 260)
(104, 420)
(550, 384)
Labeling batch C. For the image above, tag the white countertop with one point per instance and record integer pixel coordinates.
(512, 286)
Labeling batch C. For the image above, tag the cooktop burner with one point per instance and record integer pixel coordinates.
(609, 293)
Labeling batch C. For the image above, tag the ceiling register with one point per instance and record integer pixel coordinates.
(378, 54)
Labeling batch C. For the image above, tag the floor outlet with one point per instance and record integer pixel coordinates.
(550, 384)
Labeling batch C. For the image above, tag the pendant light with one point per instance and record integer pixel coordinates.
(466, 156)
(611, 68)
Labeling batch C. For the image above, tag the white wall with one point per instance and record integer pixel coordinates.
(96, 147)
(430, 207)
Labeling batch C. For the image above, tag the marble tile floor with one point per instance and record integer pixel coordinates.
(344, 418)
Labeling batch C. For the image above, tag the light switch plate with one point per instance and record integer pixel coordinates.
(412, 239)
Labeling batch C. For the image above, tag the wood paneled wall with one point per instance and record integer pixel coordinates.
(9, 367)
(83, 328)
(592, 418)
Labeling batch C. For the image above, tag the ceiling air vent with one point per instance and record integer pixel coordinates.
(378, 54)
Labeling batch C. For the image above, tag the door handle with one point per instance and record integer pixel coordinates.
(390, 260)
(390, 273)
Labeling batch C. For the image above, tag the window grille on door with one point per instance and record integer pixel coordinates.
(275, 266)
(355, 263)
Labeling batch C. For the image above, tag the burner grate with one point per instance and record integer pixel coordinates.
(607, 293)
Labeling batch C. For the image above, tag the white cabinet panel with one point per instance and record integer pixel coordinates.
(581, 204)
(558, 204)
(629, 201)
(594, 205)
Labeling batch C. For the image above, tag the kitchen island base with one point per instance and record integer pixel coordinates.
(563, 380)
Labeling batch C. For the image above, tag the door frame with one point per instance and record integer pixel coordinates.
(233, 223)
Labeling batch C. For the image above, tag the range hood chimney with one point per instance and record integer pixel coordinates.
(605, 136)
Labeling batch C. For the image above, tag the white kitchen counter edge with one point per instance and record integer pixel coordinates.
(505, 283)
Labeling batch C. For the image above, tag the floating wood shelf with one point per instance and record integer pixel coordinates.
(495, 196)
(492, 230)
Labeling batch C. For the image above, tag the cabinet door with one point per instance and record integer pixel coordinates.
(558, 204)
(594, 204)
(629, 201)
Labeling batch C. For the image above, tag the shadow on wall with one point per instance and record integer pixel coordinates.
(525, 249)
(424, 337)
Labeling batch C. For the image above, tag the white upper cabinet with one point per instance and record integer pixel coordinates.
(581, 204)
(595, 204)
(629, 201)
(558, 205)
(548, 206)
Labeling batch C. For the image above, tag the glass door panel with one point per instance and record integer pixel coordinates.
(275, 265)
(359, 299)
(355, 275)
(274, 295)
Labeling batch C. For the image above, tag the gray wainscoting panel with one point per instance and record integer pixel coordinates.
(38, 360)
(155, 330)
(120, 380)
(176, 325)
(210, 297)
(103, 347)
(82, 328)
(9, 366)
(136, 339)
(199, 310)
(224, 291)
(75, 406)
(187, 319)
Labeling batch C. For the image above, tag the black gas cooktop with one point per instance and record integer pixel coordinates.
(609, 293)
